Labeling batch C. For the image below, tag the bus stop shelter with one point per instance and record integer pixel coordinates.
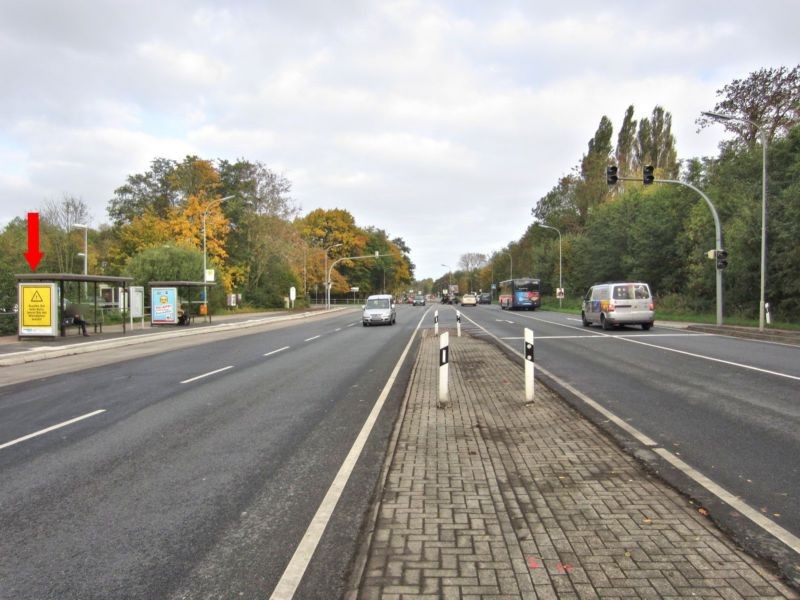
(45, 314)
(187, 287)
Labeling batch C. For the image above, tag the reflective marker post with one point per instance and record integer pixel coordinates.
(529, 367)
(444, 359)
(458, 322)
(436, 322)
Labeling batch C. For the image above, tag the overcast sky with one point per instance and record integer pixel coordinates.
(441, 122)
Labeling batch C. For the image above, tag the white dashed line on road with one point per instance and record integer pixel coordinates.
(207, 374)
(51, 428)
(276, 351)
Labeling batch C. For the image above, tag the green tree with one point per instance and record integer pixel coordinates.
(767, 97)
(166, 263)
(592, 188)
(626, 143)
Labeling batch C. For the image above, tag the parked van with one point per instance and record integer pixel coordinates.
(610, 304)
(379, 310)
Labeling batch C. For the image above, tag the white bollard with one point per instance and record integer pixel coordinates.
(529, 366)
(444, 360)
(458, 322)
(436, 322)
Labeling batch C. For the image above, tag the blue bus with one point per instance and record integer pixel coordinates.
(522, 293)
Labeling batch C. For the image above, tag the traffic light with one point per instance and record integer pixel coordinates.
(611, 175)
(647, 176)
(722, 259)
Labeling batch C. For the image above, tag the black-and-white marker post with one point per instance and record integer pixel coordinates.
(444, 360)
(436, 322)
(529, 367)
(458, 322)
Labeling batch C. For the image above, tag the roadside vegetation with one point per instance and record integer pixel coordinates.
(256, 240)
(661, 233)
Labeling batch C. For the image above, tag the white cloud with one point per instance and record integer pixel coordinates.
(440, 122)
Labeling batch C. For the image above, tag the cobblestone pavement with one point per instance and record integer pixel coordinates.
(491, 497)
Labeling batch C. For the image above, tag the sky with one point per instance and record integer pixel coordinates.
(441, 122)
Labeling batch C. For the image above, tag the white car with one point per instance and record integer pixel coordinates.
(469, 300)
(379, 310)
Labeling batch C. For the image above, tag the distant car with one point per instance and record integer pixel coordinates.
(379, 310)
(485, 298)
(419, 300)
(469, 300)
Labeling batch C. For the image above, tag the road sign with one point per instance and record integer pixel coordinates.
(560, 293)
(209, 275)
(137, 301)
(38, 309)
(164, 306)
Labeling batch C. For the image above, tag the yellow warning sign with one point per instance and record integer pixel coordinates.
(36, 306)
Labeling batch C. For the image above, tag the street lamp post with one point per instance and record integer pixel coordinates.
(510, 264)
(376, 255)
(560, 283)
(449, 278)
(763, 135)
(205, 279)
(328, 277)
(85, 252)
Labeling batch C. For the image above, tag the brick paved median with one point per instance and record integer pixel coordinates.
(493, 498)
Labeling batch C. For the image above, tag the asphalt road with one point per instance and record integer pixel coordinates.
(728, 407)
(202, 474)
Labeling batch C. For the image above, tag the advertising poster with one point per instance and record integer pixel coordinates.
(38, 309)
(164, 303)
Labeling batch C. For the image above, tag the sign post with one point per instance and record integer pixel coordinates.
(163, 306)
(458, 322)
(444, 360)
(529, 366)
(436, 322)
(136, 306)
(292, 295)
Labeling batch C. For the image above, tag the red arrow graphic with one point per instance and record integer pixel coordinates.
(33, 255)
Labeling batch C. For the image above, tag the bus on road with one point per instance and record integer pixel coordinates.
(522, 293)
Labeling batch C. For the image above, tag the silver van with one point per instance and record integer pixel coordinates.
(624, 303)
(379, 310)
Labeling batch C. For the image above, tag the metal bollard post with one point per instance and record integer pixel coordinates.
(529, 366)
(767, 315)
(444, 360)
(436, 322)
(458, 322)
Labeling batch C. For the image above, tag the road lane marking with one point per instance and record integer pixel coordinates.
(336, 330)
(51, 428)
(276, 351)
(207, 374)
(613, 337)
(296, 568)
(712, 359)
(313, 338)
(630, 339)
(756, 517)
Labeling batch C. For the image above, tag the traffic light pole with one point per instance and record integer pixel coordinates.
(338, 260)
(717, 227)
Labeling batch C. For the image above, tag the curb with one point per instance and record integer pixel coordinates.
(28, 356)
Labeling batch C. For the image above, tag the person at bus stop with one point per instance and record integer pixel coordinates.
(78, 320)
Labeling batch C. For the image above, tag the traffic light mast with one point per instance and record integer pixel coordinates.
(648, 177)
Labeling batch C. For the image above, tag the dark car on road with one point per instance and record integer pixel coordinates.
(419, 300)
(485, 298)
